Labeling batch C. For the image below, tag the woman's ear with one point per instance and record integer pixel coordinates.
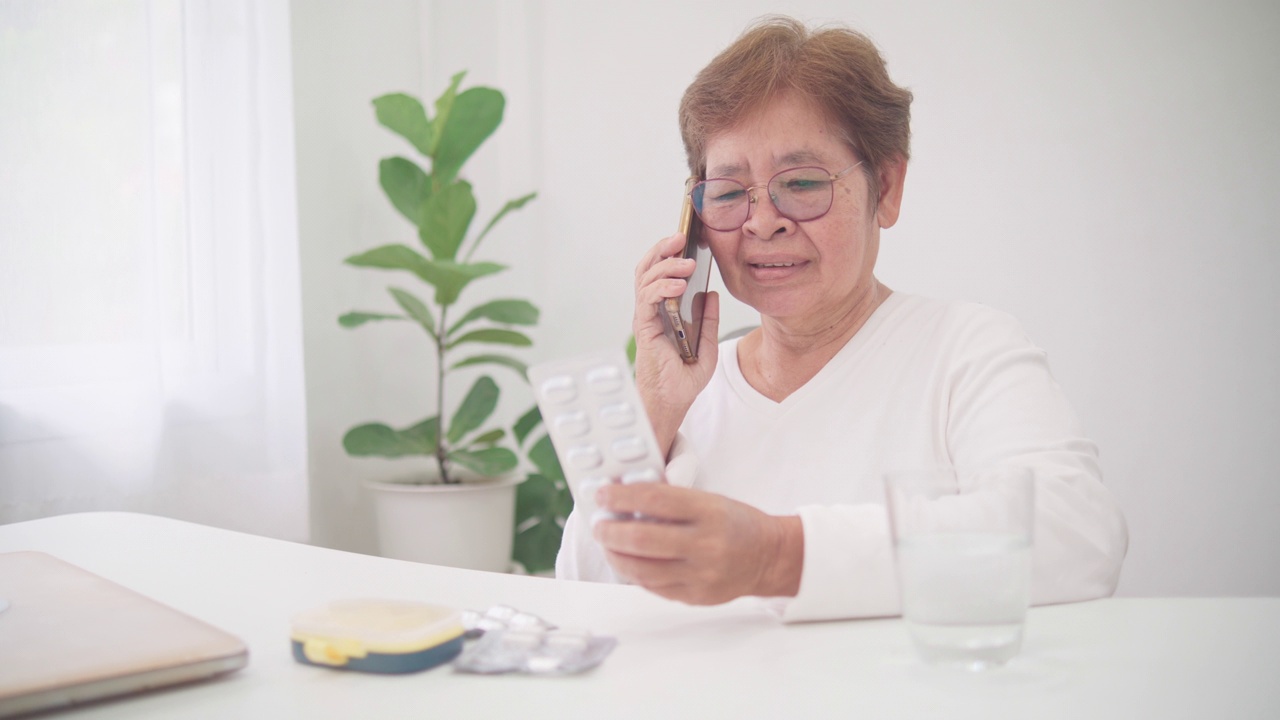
(893, 173)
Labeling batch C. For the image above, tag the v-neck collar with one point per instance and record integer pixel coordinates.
(759, 402)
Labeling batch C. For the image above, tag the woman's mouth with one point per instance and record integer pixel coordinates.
(775, 271)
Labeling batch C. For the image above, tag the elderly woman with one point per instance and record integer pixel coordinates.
(778, 441)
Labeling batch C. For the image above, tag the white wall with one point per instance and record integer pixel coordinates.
(1104, 171)
(344, 56)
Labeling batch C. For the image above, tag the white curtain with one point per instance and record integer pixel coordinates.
(150, 321)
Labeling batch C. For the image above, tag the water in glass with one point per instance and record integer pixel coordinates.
(965, 595)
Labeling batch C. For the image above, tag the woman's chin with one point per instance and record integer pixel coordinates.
(780, 306)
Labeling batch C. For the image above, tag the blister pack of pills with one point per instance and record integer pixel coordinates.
(503, 639)
(597, 423)
(534, 651)
(501, 617)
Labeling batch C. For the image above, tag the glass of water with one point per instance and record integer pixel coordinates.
(963, 546)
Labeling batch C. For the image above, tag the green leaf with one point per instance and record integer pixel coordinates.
(536, 547)
(445, 219)
(503, 360)
(444, 108)
(406, 186)
(489, 438)
(494, 335)
(526, 424)
(489, 462)
(473, 117)
(356, 319)
(476, 407)
(425, 434)
(372, 439)
(396, 257)
(542, 505)
(448, 277)
(405, 116)
(543, 457)
(507, 312)
(511, 205)
(631, 350)
(564, 499)
(459, 276)
(535, 498)
(416, 309)
(377, 439)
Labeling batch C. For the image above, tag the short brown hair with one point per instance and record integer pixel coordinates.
(837, 69)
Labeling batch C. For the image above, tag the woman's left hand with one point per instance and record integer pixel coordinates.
(698, 547)
(668, 385)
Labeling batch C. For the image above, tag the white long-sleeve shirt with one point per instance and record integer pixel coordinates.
(923, 383)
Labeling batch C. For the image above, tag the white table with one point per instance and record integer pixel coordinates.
(1121, 658)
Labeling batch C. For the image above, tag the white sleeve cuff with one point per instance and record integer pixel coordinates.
(848, 570)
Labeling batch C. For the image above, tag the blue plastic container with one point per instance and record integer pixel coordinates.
(377, 636)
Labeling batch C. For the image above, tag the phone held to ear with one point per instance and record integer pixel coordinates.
(682, 316)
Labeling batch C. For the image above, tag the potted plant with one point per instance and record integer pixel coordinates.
(464, 512)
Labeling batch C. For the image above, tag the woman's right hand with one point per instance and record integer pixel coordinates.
(667, 384)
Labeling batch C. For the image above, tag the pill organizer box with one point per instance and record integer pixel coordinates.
(377, 636)
(597, 423)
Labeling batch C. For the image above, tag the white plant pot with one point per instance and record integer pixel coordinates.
(467, 525)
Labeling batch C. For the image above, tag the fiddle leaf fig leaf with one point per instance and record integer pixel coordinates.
(448, 277)
(489, 438)
(503, 360)
(494, 335)
(476, 407)
(533, 498)
(455, 277)
(416, 308)
(445, 218)
(551, 500)
(564, 500)
(405, 116)
(489, 462)
(406, 186)
(396, 257)
(356, 319)
(372, 439)
(542, 505)
(511, 205)
(472, 118)
(379, 440)
(507, 312)
(444, 108)
(425, 435)
(543, 456)
(526, 424)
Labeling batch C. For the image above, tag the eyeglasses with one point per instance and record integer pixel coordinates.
(799, 194)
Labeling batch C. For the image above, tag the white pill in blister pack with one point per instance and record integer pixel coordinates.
(597, 423)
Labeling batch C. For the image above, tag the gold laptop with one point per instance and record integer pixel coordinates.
(68, 636)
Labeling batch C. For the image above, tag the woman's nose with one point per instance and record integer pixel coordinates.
(762, 222)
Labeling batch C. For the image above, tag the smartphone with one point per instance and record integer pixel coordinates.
(682, 316)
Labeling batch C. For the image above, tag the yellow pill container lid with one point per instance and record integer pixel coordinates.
(378, 636)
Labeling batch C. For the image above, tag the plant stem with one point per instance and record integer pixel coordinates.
(441, 450)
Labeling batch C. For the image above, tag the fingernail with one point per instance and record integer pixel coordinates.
(601, 496)
(599, 515)
(591, 487)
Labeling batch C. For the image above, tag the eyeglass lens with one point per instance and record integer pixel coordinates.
(799, 194)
